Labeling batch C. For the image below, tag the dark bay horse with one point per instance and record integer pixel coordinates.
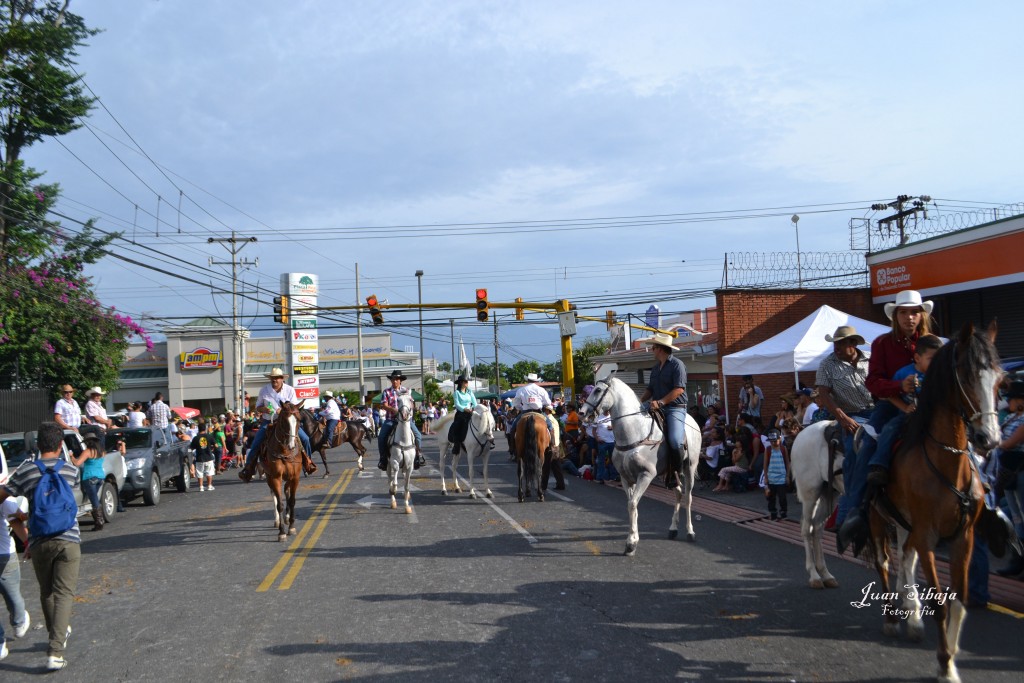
(351, 432)
(281, 456)
(532, 440)
(935, 490)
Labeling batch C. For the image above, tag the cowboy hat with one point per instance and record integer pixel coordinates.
(94, 391)
(532, 377)
(660, 339)
(275, 372)
(845, 332)
(908, 298)
(397, 374)
(329, 394)
(462, 378)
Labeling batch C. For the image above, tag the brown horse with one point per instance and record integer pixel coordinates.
(532, 441)
(935, 493)
(352, 432)
(281, 456)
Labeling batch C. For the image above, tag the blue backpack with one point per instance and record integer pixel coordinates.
(54, 509)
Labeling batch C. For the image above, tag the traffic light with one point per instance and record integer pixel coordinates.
(281, 309)
(378, 317)
(481, 305)
(519, 309)
(609, 319)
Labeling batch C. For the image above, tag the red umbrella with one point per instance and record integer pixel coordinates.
(185, 413)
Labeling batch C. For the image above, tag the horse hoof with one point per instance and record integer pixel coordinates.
(408, 511)
(831, 583)
(394, 505)
(630, 550)
(291, 531)
(691, 537)
(489, 494)
(360, 467)
(521, 499)
(815, 584)
(325, 474)
(915, 631)
(540, 497)
(472, 494)
(444, 491)
(672, 534)
(281, 537)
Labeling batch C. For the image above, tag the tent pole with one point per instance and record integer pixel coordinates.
(796, 379)
(725, 397)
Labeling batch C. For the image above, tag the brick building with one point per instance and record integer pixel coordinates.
(749, 316)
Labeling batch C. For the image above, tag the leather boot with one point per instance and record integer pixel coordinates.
(97, 520)
(854, 531)
(418, 461)
(307, 463)
(246, 473)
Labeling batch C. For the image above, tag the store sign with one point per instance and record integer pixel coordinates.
(305, 369)
(304, 358)
(303, 324)
(201, 358)
(301, 338)
(306, 381)
(303, 284)
(308, 392)
(304, 346)
(300, 335)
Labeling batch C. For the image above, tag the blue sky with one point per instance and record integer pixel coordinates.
(305, 123)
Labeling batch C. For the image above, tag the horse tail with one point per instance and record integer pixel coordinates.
(529, 448)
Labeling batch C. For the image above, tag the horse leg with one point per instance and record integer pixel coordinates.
(538, 472)
(519, 476)
(944, 618)
(323, 456)
(908, 577)
(959, 561)
(282, 510)
(684, 496)
(487, 485)
(293, 486)
(469, 467)
(811, 534)
(632, 500)
(444, 456)
(393, 481)
(455, 469)
(408, 494)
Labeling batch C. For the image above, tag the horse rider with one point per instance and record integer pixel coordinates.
(389, 404)
(464, 401)
(332, 413)
(842, 391)
(272, 396)
(531, 398)
(668, 384)
(910, 318)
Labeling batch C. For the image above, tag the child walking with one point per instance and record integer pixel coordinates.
(776, 467)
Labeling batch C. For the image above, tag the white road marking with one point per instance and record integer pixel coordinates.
(558, 495)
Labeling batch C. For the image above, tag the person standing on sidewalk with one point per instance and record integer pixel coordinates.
(10, 570)
(55, 557)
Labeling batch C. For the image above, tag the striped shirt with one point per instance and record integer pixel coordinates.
(846, 381)
(23, 482)
(159, 414)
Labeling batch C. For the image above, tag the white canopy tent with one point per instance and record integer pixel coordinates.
(802, 347)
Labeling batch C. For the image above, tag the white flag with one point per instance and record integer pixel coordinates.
(464, 368)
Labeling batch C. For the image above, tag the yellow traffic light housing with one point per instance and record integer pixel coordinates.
(481, 305)
(609, 319)
(375, 313)
(281, 309)
(520, 314)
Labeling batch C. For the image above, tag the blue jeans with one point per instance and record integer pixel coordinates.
(385, 430)
(92, 487)
(329, 434)
(977, 574)
(604, 455)
(10, 588)
(851, 462)
(262, 433)
(855, 478)
(675, 431)
(886, 440)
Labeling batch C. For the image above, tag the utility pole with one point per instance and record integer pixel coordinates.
(497, 372)
(359, 342)
(234, 245)
(451, 323)
(918, 204)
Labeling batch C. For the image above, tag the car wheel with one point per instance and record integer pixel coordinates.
(108, 501)
(151, 496)
(184, 480)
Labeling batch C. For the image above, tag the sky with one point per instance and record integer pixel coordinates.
(514, 146)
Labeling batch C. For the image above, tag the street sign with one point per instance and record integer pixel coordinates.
(303, 324)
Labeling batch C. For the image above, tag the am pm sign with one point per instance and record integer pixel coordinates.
(201, 358)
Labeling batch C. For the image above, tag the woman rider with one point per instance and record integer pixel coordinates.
(911, 319)
(464, 401)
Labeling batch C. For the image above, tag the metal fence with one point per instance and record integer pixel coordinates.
(790, 269)
(22, 410)
(868, 235)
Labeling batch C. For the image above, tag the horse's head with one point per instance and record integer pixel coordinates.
(289, 418)
(483, 421)
(599, 399)
(978, 374)
(405, 407)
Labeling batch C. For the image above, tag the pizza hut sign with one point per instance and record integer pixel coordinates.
(201, 358)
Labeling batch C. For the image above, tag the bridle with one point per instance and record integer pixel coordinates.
(628, 447)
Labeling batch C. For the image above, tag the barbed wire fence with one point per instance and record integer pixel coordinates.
(790, 269)
(866, 234)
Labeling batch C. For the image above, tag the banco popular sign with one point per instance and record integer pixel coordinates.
(201, 358)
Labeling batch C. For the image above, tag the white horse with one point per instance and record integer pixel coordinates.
(637, 439)
(818, 489)
(479, 442)
(402, 450)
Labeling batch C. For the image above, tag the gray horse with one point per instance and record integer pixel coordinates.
(637, 439)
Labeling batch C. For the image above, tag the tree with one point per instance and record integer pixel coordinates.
(518, 372)
(444, 366)
(552, 372)
(431, 389)
(583, 361)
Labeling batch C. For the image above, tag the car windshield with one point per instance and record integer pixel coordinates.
(15, 451)
(133, 438)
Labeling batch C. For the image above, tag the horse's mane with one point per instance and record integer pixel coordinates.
(972, 350)
(624, 390)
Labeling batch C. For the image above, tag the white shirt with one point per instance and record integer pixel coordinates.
(331, 410)
(7, 508)
(95, 409)
(136, 418)
(713, 452)
(275, 398)
(809, 413)
(69, 412)
(603, 429)
(531, 397)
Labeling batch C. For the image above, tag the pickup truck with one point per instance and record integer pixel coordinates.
(153, 462)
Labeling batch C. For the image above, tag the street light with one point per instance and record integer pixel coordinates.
(799, 270)
(419, 289)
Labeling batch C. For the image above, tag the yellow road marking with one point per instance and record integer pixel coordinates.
(1005, 610)
(290, 553)
(286, 583)
(592, 547)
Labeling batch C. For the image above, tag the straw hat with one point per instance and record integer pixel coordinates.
(908, 298)
(845, 332)
(276, 372)
(661, 339)
(533, 377)
(94, 391)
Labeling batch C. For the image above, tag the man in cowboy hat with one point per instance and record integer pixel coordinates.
(531, 396)
(332, 413)
(271, 397)
(66, 412)
(666, 392)
(94, 410)
(389, 404)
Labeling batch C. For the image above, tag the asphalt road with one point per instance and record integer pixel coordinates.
(198, 588)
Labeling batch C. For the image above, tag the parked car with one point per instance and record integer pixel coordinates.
(152, 463)
(24, 447)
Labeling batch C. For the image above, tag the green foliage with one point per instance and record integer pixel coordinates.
(444, 366)
(583, 361)
(432, 389)
(518, 372)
